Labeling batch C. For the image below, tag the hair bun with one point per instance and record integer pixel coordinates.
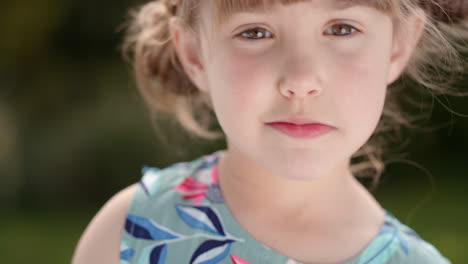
(446, 11)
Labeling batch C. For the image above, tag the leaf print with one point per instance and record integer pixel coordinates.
(201, 217)
(403, 243)
(380, 251)
(237, 260)
(211, 252)
(158, 254)
(144, 188)
(410, 232)
(153, 255)
(141, 227)
(126, 253)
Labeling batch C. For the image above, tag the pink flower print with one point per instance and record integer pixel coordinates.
(237, 260)
(193, 189)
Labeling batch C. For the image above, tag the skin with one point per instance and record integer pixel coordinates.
(302, 189)
(299, 70)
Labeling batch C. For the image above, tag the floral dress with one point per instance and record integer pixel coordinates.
(177, 216)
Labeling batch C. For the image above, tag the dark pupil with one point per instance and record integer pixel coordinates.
(340, 29)
(255, 33)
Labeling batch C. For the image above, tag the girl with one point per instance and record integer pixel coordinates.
(303, 90)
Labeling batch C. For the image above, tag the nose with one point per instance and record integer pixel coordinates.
(300, 83)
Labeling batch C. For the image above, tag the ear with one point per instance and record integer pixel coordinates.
(188, 52)
(405, 41)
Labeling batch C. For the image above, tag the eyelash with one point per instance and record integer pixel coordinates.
(352, 29)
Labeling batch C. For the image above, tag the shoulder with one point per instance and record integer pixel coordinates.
(100, 242)
(422, 251)
(416, 250)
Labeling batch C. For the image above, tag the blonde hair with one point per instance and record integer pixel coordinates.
(165, 87)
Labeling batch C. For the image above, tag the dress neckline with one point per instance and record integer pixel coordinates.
(376, 240)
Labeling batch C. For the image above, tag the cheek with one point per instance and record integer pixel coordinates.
(359, 79)
(238, 81)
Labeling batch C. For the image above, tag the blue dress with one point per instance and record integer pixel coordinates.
(177, 216)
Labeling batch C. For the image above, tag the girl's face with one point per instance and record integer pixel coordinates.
(327, 63)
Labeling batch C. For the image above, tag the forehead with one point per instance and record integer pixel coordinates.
(224, 9)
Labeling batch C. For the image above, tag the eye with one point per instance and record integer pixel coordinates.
(341, 30)
(255, 33)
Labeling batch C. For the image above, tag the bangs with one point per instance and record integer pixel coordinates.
(224, 9)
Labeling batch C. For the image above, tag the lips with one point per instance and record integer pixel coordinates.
(297, 121)
(304, 130)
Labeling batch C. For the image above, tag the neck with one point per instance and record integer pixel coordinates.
(247, 187)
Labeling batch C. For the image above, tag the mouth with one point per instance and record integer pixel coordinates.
(306, 130)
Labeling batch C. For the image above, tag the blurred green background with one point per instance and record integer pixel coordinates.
(74, 131)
